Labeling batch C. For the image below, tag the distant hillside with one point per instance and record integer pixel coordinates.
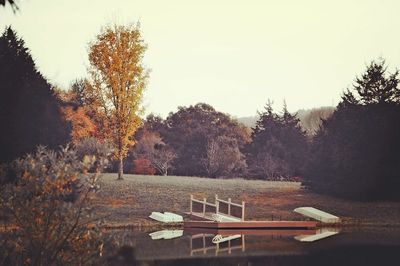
(248, 121)
(310, 119)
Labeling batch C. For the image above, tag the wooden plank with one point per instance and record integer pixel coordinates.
(251, 224)
(221, 217)
(253, 232)
(199, 216)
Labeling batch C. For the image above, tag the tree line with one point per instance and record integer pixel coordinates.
(351, 152)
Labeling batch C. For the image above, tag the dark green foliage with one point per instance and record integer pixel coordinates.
(279, 146)
(190, 132)
(355, 154)
(29, 113)
(12, 3)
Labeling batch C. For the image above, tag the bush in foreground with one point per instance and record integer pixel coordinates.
(46, 211)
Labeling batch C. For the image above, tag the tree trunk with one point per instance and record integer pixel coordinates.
(121, 169)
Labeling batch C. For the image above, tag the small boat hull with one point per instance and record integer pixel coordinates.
(166, 217)
(318, 215)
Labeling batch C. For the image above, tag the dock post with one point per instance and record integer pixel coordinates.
(204, 206)
(229, 206)
(242, 210)
(204, 244)
(216, 204)
(191, 204)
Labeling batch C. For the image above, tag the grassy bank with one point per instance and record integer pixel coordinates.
(128, 203)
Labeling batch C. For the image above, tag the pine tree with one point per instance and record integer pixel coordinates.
(278, 146)
(29, 114)
(355, 153)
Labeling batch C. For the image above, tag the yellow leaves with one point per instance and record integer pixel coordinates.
(118, 79)
(82, 125)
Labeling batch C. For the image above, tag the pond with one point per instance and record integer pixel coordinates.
(326, 246)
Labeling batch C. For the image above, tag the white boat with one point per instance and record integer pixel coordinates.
(317, 214)
(166, 234)
(219, 239)
(166, 217)
(175, 217)
(321, 234)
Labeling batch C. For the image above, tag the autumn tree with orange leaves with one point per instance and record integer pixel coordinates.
(118, 78)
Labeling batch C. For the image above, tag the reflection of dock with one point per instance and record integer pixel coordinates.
(207, 245)
(254, 232)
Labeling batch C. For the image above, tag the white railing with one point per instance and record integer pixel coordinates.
(216, 205)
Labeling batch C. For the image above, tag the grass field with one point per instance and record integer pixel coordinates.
(130, 201)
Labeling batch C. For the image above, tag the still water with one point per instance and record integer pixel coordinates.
(328, 246)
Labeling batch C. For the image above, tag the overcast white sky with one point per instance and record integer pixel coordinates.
(232, 54)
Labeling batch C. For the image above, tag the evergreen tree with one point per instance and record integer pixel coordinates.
(355, 154)
(29, 113)
(279, 145)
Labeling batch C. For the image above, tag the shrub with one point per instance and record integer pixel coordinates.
(142, 166)
(49, 228)
(99, 150)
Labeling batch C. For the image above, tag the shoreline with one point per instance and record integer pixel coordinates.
(129, 202)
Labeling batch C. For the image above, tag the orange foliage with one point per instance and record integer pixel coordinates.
(82, 125)
(143, 166)
(118, 79)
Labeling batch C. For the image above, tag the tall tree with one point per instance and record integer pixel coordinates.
(223, 158)
(118, 78)
(278, 146)
(190, 132)
(30, 112)
(355, 154)
(374, 86)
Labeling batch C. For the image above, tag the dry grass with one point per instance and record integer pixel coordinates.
(130, 201)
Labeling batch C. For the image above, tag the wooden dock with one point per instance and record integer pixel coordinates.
(251, 224)
(220, 220)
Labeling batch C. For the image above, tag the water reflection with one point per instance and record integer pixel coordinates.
(261, 247)
(208, 243)
(212, 242)
(320, 234)
(166, 234)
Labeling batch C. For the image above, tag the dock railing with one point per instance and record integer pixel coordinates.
(203, 202)
(217, 207)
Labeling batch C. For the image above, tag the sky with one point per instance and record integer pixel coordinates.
(232, 54)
